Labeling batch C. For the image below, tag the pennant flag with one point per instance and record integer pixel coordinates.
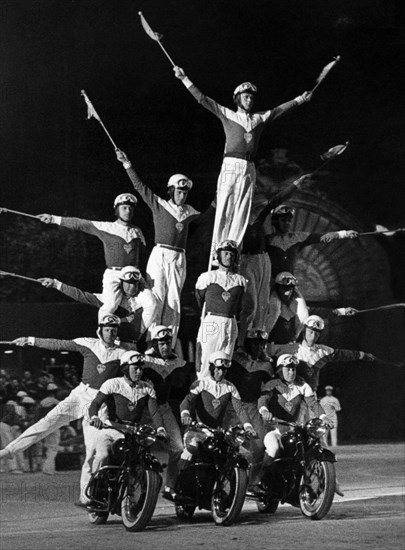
(335, 151)
(91, 112)
(327, 69)
(146, 27)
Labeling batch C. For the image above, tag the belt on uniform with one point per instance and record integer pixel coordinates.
(245, 156)
(115, 268)
(175, 248)
(228, 315)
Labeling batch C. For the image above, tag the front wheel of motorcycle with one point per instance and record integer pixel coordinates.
(139, 500)
(228, 497)
(316, 495)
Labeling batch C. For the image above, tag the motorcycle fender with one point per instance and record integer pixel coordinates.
(323, 455)
(152, 463)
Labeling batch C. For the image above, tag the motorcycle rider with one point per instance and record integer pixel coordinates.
(214, 398)
(126, 397)
(282, 398)
(101, 362)
(160, 366)
(251, 368)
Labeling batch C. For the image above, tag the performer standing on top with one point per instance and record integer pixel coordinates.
(221, 291)
(237, 179)
(121, 245)
(166, 269)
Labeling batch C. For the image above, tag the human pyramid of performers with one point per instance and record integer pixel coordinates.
(257, 356)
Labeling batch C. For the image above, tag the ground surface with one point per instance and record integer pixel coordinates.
(37, 512)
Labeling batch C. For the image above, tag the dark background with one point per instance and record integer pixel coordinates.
(55, 161)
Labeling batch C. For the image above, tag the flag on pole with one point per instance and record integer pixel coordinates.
(146, 27)
(335, 151)
(91, 112)
(327, 69)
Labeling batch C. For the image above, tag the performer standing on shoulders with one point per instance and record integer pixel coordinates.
(166, 269)
(121, 242)
(222, 292)
(237, 179)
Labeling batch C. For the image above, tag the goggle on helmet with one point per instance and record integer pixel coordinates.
(125, 198)
(285, 279)
(130, 274)
(180, 181)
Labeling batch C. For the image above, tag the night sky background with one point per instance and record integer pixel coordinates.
(54, 160)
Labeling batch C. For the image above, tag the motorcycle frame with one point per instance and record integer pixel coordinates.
(141, 457)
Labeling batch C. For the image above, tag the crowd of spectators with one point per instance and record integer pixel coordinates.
(23, 400)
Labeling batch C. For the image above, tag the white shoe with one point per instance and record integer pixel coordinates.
(5, 453)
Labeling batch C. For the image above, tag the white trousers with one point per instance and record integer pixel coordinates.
(166, 274)
(216, 333)
(73, 407)
(235, 190)
(256, 268)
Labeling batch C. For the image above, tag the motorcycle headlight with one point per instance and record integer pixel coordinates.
(193, 438)
(316, 428)
(146, 435)
(235, 436)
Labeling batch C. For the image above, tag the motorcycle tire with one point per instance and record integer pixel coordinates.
(184, 512)
(267, 505)
(139, 500)
(98, 518)
(227, 500)
(315, 501)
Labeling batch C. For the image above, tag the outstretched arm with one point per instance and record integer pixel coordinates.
(211, 105)
(148, 196)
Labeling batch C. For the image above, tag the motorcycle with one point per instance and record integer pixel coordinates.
(304, 476)
(129, 485)
(216, 477)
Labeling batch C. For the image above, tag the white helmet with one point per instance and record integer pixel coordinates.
(283, 210)
(125, 198)
(245, 87)
(180, 181)
(314, 322)
(109, 320)
(161, 332)
(132, 358)
(286, 359)
(220, 359)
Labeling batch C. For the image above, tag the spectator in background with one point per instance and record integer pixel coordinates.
(28, 384)
(33, 455)
(68, 437)
(50, 443)
(10, 428)
(331, 406)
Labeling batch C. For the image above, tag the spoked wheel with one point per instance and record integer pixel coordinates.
(267, 505)
(139, 501)
(184, 512)
(228, 498)
(98, 518)
(317, 496)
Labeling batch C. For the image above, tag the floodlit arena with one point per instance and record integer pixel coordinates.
(202, 291)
